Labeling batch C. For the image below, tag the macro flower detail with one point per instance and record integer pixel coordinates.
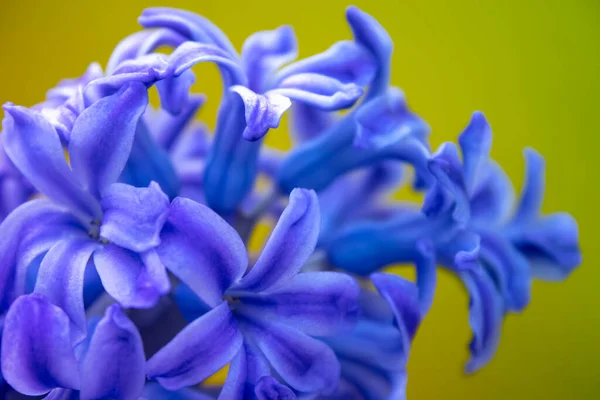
(128, 261)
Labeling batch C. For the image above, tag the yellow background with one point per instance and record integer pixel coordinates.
(530, 65)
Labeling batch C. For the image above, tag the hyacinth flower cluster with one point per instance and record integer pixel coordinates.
(125, 271)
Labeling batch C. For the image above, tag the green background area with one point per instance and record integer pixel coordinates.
(531, 66)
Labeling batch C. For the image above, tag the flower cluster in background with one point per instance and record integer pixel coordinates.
(124, 268)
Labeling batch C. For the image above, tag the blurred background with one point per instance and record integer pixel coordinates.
(531, 66)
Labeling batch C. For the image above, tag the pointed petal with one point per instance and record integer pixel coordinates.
(60, 280)
(114, 364)
(320, 91)
(532, 193)
(263, 112)
(264, 52)
(202, 250)
(37, 355)
(492, 197)
(34, 147)
(316, 303)
(103, 135)
(426, 275)
(134, 280)
(345, 61)
(445, 165)
(198, 351)
(309, 122)
(306, 364)
(133, 217)
(370, 34)
(386, 120)
(291, 243)
(174, 92)
(475, 143)
(268, 388)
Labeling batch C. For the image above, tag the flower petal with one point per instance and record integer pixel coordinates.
(103, 135)
(306, 364)
(153, 391)
(133, 217)
(198, 351)
(475, 144)
(492, 197)
(532, 193)
(134, 280)
(114, 364)
(60, 280)
(316, 303)
(245, 370)
(170, 130)
(37, 352)
(263, 112)
(309, 122)
(425, 265)
(175, 91)
(202, 250)
(320, 91)
(345, 61)
(264, 52)
(34, 147)
(370, 34)
(268, 388)
(291, 243)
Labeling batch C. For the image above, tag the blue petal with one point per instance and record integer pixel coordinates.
(291, 243)
(386, 120)
(264, 52)
(134, 280)
(34, 147)
(370, 34)
(169, 129)
(445, 165)
(60, 280)
(175, 91)
(142, 43)
(426, 275)
(114, 364)
(263, 112)
(190, 25)
(133, 217)
(245, 370)
(202, 250)
(320, 91)
(492, 197)
(198, 351)
(317, 303)
(37, 352)
(103, 135)
(532, 194)
(306, 364)
(268, 388)
(153, 391)
(189, 304)
(345, 61)
(475, 143)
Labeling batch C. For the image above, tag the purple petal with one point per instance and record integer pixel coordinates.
(27, 232)
(320, 91)
(345, 61)
(263, 112)
(426, 275)
(532, 193)
(134, 280)
(169, 130)
(133, 217)
(190, 25)
(153, 391)
(174, 91)
(264, 52)
(198, 351)
(386, 120)
(492, 197)
(445, 165)
(475, 143)
(291, 243)
(485, 317)
(142, 43)
(306, 364)
(114, 364)
(402, 296)
(103, 135)
(202, 250)
(60, 280)
(34, 147)
(37, 355)
(317, 303)
(370, 34)
(268, 388)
